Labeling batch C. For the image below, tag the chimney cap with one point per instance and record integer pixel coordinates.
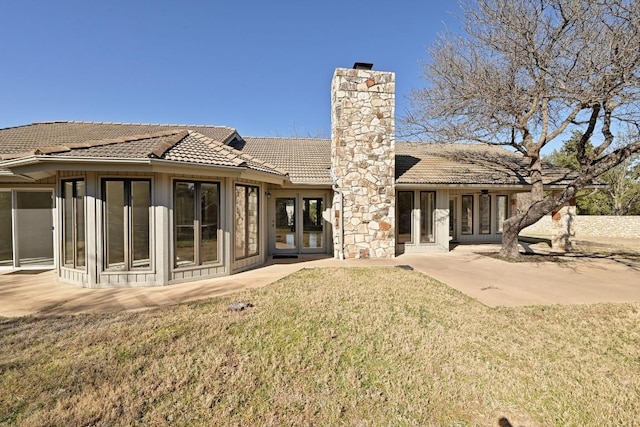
(362, 66)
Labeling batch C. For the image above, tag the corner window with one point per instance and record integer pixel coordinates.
(466, 226)
(196, 210)
(427, 214)
(247, 221)
(502, 211)
(485, 214)
(127, 205)
(73, 223)
(405, 215)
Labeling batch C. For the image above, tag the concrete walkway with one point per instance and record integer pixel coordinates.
(467, 268)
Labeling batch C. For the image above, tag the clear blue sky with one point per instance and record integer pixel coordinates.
(262, 67)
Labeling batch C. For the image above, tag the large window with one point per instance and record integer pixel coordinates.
(247, 223)
(427, 214)
(405, 216)
(73, 193)
(466, 227)
(485, 214)
(127, 223)
(502, 211)
(196, 222)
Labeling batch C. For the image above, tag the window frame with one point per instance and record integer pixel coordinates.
(79, 258)
(470, 219)
(411, 193)
(246, 223)
(128, 264)
(428, 218)
(484, 202)
(197, 224)
(499, 220)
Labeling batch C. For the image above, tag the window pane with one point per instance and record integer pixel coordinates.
(67, 225)
(114, 223)
(209, 222)
(313, 231)
(405, 209)
(286, 223)
(467, 215)
(6, 226)
(80, 223)
(241, 221)
(140, 204)
(247, 221)
(252, 221)
(427, 212)
(502, 213)
(485, 214)
(184, 215)
(73, 223)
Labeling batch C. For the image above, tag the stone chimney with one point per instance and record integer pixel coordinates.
(363, 162)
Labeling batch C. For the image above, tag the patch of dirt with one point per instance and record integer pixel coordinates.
(531, 257)
(539, 250)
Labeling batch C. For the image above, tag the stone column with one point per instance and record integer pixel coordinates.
(363, 163)
(563, 227)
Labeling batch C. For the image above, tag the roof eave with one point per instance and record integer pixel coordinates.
(39, 166)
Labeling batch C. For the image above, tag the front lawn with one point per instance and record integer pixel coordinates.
(359, 346)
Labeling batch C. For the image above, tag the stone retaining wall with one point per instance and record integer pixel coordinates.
(593, 225)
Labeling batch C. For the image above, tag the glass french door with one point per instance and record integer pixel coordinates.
(297, 225)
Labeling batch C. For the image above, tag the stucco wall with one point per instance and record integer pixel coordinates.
(593, 225)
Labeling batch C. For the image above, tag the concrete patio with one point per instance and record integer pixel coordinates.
(469, 269)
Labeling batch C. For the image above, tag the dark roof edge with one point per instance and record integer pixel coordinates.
(48, 122)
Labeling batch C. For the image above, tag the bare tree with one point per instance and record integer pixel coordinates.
(526, 72)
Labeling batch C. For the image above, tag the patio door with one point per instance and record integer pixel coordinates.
(296, 224)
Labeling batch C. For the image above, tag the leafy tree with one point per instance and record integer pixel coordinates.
(621, 196)
(526, 72)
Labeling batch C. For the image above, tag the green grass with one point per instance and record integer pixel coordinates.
(369, 347)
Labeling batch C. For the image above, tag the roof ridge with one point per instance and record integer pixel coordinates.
(62, 148)
(238, 154)
(46, 122)
(307, 138)
(215, 144)
(159, 149)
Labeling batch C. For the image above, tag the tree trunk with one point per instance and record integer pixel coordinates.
(510, 233)
(514, 225)
(535, 210)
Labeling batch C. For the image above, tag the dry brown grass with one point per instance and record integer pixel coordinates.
(375, 346)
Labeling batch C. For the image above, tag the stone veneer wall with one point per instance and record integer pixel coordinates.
(363, 163)
(594, 225)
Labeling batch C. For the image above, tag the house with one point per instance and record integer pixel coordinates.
(117, 204)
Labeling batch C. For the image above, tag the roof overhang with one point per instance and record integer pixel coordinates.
(38, 167)
(515, 187)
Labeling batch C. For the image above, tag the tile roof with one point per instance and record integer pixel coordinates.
(198, 148)
(466, 164)
(175, 144)
(307, 160)
(23, 138)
